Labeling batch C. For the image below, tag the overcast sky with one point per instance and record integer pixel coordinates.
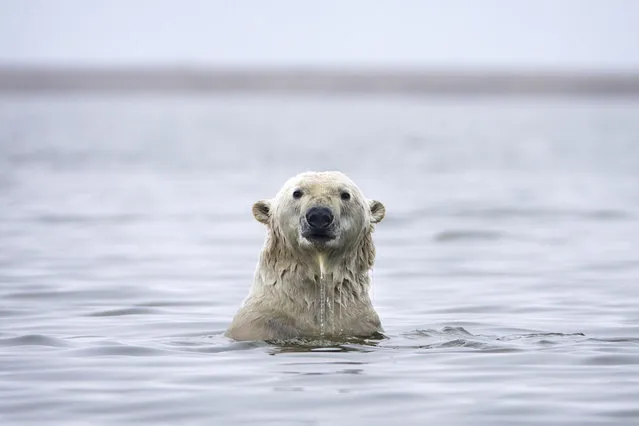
(556, 34)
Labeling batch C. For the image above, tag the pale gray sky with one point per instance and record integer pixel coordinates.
(567, 34)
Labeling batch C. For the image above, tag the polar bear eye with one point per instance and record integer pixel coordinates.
(297, 194)
(345, 196)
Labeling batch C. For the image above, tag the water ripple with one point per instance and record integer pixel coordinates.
(138, 310)
(34, 340)
(118, 350)
(468, 235)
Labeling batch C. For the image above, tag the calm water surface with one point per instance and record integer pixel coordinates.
(507, 275)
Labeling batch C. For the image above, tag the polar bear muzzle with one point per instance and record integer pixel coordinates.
(318, 224)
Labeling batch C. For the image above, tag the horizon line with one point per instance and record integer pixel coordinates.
(316, 68)
(313, 80)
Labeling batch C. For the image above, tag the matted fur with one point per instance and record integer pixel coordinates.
(285, 299)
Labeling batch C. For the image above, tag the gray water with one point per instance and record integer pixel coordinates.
(507, 274)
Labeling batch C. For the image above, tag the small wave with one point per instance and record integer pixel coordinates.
(518, 212)
(455, 337)
(468, 235)
(448, 338)
(447, 330)
(78, 219)
(229, 347)
(138, 310)
(170, 303)
(119, 350)
(539, 336)
(633, 340)
(213, 342)
(34, 340)
(11, 312)
(612, 359)
(84, 294)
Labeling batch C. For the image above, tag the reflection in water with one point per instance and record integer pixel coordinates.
(334, 344)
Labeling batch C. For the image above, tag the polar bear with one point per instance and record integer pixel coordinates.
(312, 278)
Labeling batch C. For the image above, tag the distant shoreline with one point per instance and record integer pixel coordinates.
(415, 82)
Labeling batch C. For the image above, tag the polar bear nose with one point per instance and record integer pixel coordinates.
(319, 217)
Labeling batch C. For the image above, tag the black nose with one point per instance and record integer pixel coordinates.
(319, 217)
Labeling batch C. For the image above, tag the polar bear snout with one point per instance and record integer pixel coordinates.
(319, 218)
(318, 225)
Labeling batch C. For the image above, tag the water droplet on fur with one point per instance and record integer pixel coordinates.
(322, 305)
(322, 297)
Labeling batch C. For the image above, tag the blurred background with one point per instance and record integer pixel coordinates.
(569, 35)
(502, 136)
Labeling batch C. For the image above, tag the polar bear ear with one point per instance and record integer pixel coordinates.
(262, 211)
(377, 211)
